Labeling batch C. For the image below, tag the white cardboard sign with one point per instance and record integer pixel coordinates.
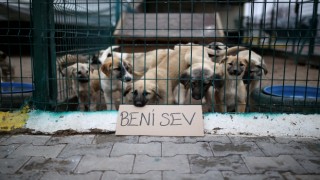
(160, 120)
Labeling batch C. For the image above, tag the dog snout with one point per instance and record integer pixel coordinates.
(127, 79)
(139, 104)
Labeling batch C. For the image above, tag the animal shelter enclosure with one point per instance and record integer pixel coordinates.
(262, 55)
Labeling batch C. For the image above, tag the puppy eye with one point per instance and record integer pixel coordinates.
(230, 64)
(241, 65)
(87, 72)
(145, 93)
(135, 92)
(117, 69)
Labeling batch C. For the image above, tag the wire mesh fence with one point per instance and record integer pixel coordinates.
(228, 56)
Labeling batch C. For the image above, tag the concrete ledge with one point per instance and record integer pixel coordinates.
(256, 124)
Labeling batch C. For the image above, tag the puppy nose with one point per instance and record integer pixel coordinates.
(127, 79)
(138, 104)
(236, 72)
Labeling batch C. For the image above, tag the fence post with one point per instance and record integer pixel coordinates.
(314, 26)
(43, 71)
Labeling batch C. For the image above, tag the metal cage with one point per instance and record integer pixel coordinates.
(40, 39)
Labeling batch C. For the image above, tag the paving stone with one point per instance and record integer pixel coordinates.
(286, 140)
(148, 139)
(290, 176)
(208, 138)
(177, 163)
(313, 147)
(151, 175)
(3, 138)
(276, 149)
(246, 148)
(26, 139)
(122, 164)
(236, 176)
(242, 139)
(31, 150)
(83, 149)
(311, 164)
(7, 150)
(10, 166)
(172, 149)
(281, 163)
(40, 164)
(56, 175)
(112, 138)
(22, 176)
(76, 139)
(151, 149)
(201, 164)
(216, 175)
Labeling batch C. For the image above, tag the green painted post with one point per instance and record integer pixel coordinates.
(314, 26)
(44, 90)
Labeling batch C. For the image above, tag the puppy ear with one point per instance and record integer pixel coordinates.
(129, 66)
(128, 89)
(185, 79)
(158, 95)
(67, 72)
(224, 59)
(106, 68)
(91, 69)
(264, 67)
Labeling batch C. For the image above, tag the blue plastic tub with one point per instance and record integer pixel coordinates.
(290, 91)
(13, 88)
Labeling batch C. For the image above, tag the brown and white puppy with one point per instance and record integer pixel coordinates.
(156, 87)
(85, 84)
(221, 50)
(114, 77)
(255, 70)
(230, 94)
(140, 62)
(6, 68)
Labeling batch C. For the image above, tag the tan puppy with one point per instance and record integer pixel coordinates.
(230, 94)
(70, 59)
(85, 84)
(157, 84)
(6, 68)
(255, 70)
(198, 78)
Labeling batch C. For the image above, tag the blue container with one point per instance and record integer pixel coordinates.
(289, 91)
(13, 88)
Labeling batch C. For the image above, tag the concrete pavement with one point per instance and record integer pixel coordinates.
(106, 156)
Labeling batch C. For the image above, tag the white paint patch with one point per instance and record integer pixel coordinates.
(259, 124)
(50, 122)
(252, 124)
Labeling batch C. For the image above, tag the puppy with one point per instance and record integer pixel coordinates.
(221, 50)
(198, 78)
(70, 59)
(255, 70)
(85, 84)
(6, 68)
(153, 88)
(230, 94)
(140, 62)
(156, 86)
(114, 77)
